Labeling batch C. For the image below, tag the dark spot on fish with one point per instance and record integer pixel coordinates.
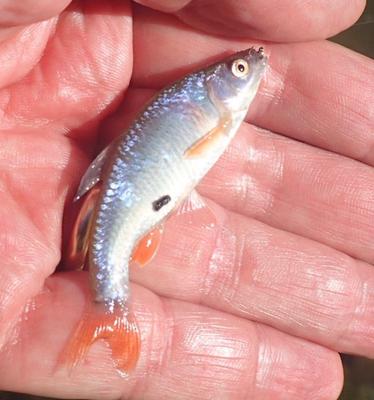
(162, 201)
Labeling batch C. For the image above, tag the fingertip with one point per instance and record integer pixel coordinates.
(343, 15)
(302, 369)
(335, 373)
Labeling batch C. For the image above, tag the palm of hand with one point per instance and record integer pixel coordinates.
(197, 300)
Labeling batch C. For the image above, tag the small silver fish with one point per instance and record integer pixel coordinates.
(140, 178)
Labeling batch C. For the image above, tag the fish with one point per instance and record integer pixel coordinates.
(139, 179)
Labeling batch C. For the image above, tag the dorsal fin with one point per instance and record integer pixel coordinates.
(93, 174)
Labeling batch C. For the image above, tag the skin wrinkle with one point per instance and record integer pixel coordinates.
(53, 52)
(255, 19)
(168, 322)
(218, 276)
(15, 60)
(331, 187)
(361, 311)
(13, 246)
(347, 327)
(262, 295)
(170, 343)
(222, 290)
(204, 11)
(337, 311)
(101, 69)
(10, 322)
(5, 99)
(273, 358)
(19, 175)
(274, 84)
(252, 185)
(153, 365)
(319, 127)
(15, 14)
(261, 364)
(48, 241)
(214, 356)
(362, 109)
(265, 361)
(30, 272)
(206, 286)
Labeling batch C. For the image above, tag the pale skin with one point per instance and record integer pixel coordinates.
(258, 305)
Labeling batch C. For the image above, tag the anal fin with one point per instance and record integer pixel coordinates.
(195, 210)
(191, 203)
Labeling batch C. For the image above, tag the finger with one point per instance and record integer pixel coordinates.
(37, 171)
(283, 183)
(247, 268)
(18, 13)
(297, 188)
(317, 92)
(188, 351)
(20, 52)
(271, 20)
(73, 85)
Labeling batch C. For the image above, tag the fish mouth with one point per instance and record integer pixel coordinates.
(258, 54)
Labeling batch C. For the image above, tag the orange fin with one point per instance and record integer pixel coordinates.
(78, 246)
(147, 246)
(118, 330)
(203, 145)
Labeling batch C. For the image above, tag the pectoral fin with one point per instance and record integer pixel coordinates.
(208, 141)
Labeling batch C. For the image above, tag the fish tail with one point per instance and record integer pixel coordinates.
(116, 327)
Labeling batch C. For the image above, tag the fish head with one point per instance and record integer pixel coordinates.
(233, 83)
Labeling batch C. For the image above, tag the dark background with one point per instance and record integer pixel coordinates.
(359, 372)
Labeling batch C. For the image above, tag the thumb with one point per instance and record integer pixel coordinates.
(25, 12)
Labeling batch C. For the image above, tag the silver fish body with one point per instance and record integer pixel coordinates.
(147, 172)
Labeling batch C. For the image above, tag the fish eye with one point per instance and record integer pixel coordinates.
(240, 68)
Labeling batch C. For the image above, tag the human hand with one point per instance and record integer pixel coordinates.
(257, 306)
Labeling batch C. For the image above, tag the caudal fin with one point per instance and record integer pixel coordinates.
(118, 330)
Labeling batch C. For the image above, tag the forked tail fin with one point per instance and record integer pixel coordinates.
(118, 329)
